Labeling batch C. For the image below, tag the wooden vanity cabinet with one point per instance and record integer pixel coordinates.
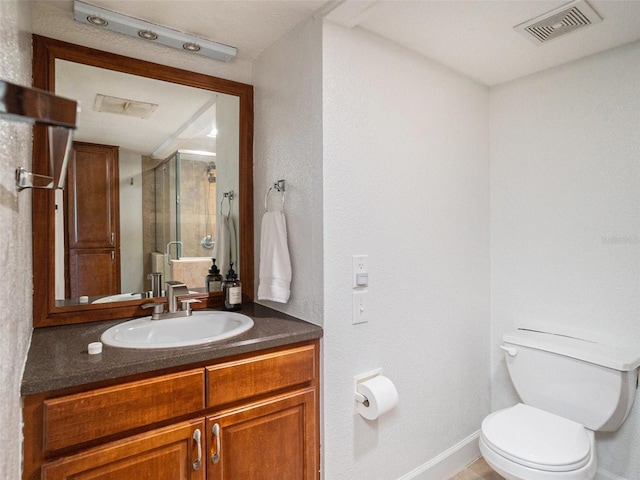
(185, 425)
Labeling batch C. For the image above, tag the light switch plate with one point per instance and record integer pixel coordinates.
(359, 307)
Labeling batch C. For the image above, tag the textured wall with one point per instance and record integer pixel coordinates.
(406, 181)
(288, 145)
(15, 239)
(565, 217)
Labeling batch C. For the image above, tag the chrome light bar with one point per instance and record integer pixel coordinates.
(135, 27)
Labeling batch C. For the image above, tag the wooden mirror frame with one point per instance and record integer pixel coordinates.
(45, 310)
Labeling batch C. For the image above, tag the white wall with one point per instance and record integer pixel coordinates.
(406, 181)
(565, 215)
(401, 175)
(15, 239)
(287, 80)
(131, 252)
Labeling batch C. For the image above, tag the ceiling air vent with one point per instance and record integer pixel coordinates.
(560, 21)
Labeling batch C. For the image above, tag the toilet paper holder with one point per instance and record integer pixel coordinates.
(360, 398)
(363, 377)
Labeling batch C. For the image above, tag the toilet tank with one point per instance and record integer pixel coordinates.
(587, 382)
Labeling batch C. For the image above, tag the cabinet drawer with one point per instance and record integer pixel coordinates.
(82, 417)
(242, 379)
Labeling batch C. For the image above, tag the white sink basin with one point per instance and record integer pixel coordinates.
(120, 297)
(201, 327)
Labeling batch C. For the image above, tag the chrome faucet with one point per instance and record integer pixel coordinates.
(173, 291)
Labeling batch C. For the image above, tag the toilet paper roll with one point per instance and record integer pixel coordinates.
(382, 396)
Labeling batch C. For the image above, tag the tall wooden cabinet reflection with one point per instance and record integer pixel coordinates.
(249, 417)
(92, 246)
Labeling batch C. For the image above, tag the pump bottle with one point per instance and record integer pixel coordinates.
(213, 281)
(232, 291)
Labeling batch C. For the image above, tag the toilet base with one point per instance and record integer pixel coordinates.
(514, 471)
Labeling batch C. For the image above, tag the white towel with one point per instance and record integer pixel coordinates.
(226, 246)
(275, 264)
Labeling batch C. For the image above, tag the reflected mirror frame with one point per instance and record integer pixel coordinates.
(45, 52)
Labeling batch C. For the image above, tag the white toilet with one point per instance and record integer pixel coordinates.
(569, 388)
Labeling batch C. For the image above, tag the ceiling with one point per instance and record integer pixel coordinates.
(473, 37)
(183, 119)
(477, 38)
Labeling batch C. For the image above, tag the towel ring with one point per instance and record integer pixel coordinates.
(278, 187)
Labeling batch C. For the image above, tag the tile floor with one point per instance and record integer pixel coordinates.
(478, 470)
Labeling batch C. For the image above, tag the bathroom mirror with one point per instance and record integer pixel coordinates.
(55, 62)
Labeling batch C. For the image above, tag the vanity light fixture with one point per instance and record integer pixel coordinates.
(116, 22)
(191, 47)
(147, 35)
(99, 21)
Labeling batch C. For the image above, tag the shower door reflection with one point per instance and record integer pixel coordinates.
(187, 202)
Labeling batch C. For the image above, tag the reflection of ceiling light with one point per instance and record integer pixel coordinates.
(204, 153)
(86, 13)
(213, 133)
(195, 128)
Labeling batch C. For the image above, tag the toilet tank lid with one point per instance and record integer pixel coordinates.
(607, 356)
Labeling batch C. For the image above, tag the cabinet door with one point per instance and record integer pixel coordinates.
(93, 272)
(165, 454)
(92, 196)
(272, 440)
(93, 221)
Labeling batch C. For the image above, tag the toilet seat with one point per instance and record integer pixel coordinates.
(537, 439)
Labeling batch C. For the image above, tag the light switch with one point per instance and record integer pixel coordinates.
(359, 307)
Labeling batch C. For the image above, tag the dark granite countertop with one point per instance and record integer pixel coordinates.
(58, 356)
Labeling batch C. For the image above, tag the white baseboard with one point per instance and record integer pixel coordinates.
(453, 460)
(449, 462)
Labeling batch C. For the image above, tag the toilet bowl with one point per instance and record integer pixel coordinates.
(525, 443)
(569, 388)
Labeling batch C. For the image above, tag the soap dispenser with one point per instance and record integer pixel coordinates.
(213, 281)
(232, 291)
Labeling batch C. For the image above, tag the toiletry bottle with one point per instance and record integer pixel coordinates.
(232, 291)
(213, 281)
